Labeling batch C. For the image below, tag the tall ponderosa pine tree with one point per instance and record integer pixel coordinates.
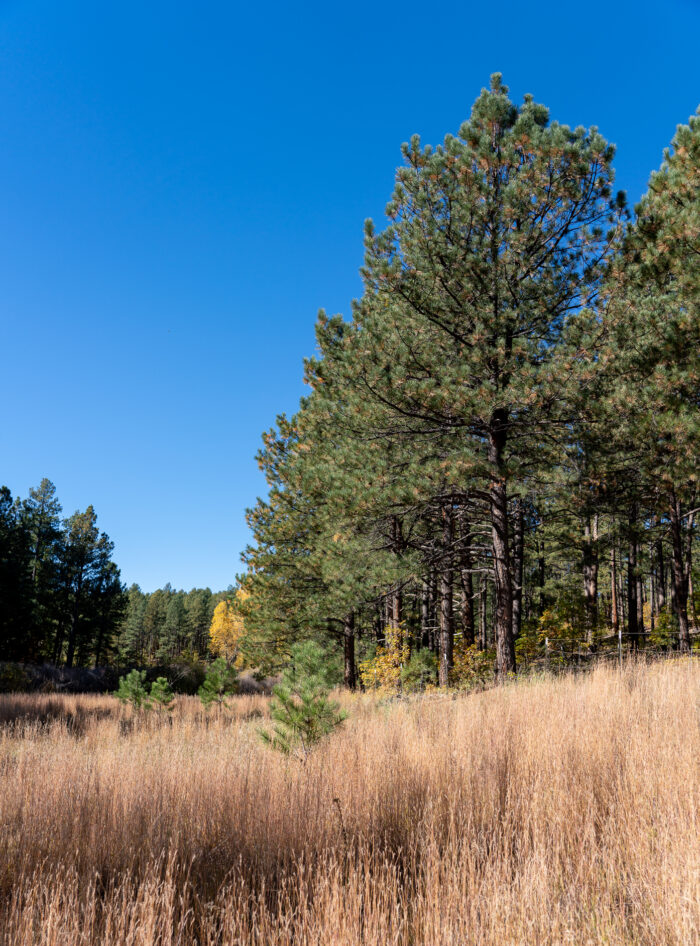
(497, 237)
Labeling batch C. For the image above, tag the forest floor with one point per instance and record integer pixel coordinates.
(548, 811)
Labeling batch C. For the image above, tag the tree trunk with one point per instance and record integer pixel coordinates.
(689, 565)
(467, 607)
(396, 606)
(446, 614)
(467, 589)
(518, 554)
(632, 627)
(615, 617)
(641, 629)
(425, 614)
(349, 678)
(483, 627)
(679, 582)
(503, 611)
(661, 582)
(58, 644)
(72, 636)
(590, 576)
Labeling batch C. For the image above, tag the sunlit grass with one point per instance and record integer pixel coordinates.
(548, 811)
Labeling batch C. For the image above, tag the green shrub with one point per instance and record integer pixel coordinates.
(132, 690)
(300, 708)
(220, 682)
(162, 695)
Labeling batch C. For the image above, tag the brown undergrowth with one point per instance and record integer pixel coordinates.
(548, 811)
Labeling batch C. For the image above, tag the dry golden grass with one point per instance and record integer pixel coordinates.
(551, 811)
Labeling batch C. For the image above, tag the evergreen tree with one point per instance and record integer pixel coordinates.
(41, 513)
(301, 710)
(15, 579)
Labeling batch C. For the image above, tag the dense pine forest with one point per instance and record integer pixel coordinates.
(497, 461)
(63, 601)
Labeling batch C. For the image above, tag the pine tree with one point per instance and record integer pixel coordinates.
(497, 238)
(655, 383)
(41, 513)
(15, 578)
(301, 710)
(220, 683)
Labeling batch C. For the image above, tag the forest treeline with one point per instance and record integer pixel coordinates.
(166, 625)
(497, 459)
(62, 600)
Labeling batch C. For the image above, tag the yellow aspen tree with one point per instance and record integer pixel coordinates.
(226, 631)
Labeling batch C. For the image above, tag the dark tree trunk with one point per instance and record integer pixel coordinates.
(467, 607)
(503, 611)
(590, 576)
(652, 591)
(661, 576)
(72, 637)
(467, 589)
(689, 566)
(58, 644)
(679, 578)
(425, 614)
(446, 613)
(614, 616)
(483, 625)
(641, 630)
(396, 607)
(518, 555)
(396, 603)
(99, 644)
(349, 678)
(632, 626)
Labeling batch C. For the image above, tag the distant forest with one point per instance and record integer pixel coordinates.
(62, 600)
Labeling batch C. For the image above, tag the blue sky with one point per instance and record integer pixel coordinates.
(183, 185)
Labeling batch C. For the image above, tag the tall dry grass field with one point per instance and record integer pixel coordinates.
(555, 811)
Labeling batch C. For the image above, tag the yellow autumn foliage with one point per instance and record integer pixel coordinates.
(227, 630)
(471, 667)
(383, 671)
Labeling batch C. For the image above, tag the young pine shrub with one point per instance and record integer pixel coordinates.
(132, 689)
(220, 682)
(300, 708)
(162, 695)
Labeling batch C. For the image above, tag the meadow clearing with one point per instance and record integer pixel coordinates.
(546, 811)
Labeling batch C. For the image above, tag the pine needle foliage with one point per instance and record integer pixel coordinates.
(132, 689)
(301, 710)
(162, 695)
(220, 682)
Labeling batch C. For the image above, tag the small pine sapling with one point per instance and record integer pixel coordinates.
(132, 690)
(300, 708)
(162, 695)
(220, 682)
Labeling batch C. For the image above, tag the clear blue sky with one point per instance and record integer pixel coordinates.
(183, 185)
